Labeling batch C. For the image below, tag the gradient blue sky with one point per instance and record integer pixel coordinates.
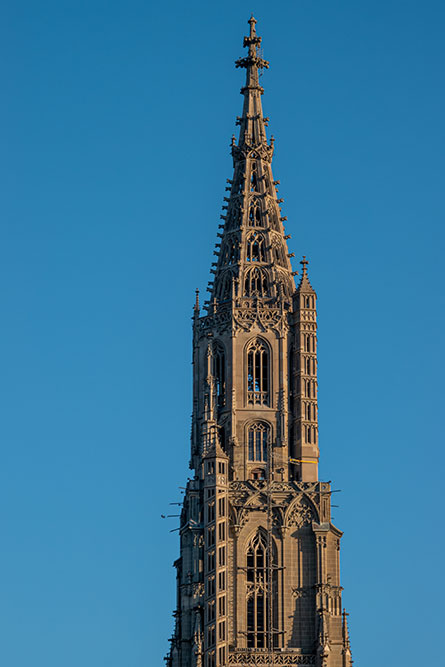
(116, 122)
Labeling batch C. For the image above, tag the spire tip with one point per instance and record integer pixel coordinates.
(252, 21)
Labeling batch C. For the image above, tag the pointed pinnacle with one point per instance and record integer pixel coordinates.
(304, 263)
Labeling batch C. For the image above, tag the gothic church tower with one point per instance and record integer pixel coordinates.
(258, 577)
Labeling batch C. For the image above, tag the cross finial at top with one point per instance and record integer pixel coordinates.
(304, 264)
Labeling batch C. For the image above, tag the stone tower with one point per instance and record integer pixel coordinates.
(258, 578)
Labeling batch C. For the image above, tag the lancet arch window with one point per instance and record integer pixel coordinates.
(219, 373)
(255, 215)
(284, 282)
(311, 435)
(258, 373)
(279, 255)
(225, 287)
(230, 252)
(310, 389)
(255, 248)
(310, 411)
(309, 343)
(240, 184)
(258, 439)
(256, 283)
(235, 216)
(260, 580)
(253, 178)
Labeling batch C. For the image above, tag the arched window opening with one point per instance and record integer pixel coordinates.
(257, 373)
(253, 178)
(225, 290)
(258, 440)
(255, 283)
(260, 580)
(278, 256)
(255, 248)
(219, 373)
(230, 253)
(255, 215)
(287, 289)
(236, 216)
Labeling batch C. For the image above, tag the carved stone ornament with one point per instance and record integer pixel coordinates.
(284, 659)
(220, 321)
(264, 317)
(301, 513)
(198, 590)
(303, 592)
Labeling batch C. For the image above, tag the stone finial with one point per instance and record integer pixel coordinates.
(252, 21)
(304, 285)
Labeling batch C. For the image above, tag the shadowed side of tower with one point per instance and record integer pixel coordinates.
(258, 575)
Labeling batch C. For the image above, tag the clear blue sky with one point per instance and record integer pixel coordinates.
(115, 124)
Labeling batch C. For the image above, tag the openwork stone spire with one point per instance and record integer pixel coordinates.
(253, 258)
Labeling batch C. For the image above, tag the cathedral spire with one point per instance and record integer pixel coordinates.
(252, 130)
(259, 574)
(253, 250)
